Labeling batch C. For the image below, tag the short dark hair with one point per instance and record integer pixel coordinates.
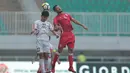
(45, 13)
(54, 7)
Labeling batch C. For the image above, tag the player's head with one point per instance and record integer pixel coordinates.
(44, 15)
(57, 9)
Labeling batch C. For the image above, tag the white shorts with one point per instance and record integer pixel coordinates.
(43, 46)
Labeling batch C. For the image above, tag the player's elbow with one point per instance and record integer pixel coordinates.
(56, 29)
(75, 21)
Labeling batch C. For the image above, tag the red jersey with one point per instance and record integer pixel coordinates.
(64, 20)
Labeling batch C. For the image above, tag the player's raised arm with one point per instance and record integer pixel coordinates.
(77, 22)
(34, 28)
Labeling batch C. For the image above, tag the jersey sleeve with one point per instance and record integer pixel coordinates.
(55, 22)
(35, 25)
(51, 27)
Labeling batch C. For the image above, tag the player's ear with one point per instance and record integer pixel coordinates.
(54, 8)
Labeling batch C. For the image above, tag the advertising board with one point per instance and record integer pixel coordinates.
(103, 67)
(28, 67)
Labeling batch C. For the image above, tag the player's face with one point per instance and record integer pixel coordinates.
(58, 9)
(43, 18)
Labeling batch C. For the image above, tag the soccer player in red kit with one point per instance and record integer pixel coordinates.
(67, 38)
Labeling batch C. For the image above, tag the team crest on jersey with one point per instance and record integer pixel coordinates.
(43, 25)
(63, 17)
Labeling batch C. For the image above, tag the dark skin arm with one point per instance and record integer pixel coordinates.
(78, 23)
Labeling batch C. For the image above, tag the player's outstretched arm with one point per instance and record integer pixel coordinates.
(53, 31)
(78, 23)
(34, 28)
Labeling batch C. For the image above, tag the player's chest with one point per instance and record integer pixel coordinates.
(63, 18)
(43, 26)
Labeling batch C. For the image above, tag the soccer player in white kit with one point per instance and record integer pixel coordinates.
(41, 30)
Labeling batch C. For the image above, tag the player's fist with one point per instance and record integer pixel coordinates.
(35, 32)
(85, 27)
(32, 32)
(57, 36)
(59, 62)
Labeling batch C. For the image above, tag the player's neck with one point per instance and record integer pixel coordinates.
(60, 12)
(42, 20)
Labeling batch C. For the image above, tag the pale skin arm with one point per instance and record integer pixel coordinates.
(58, 28)
(53, 31)
(34, 29)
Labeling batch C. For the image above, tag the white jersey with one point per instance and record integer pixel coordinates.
(43, 29)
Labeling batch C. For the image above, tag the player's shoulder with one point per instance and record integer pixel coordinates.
(47, 22)
(37, 21)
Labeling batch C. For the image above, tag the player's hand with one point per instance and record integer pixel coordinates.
(59, 62)
(85, 27)
(57, 36)
(32, 32)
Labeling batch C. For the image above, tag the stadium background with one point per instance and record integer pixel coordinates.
(107, 39)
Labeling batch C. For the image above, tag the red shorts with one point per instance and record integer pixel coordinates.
(67, 38)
